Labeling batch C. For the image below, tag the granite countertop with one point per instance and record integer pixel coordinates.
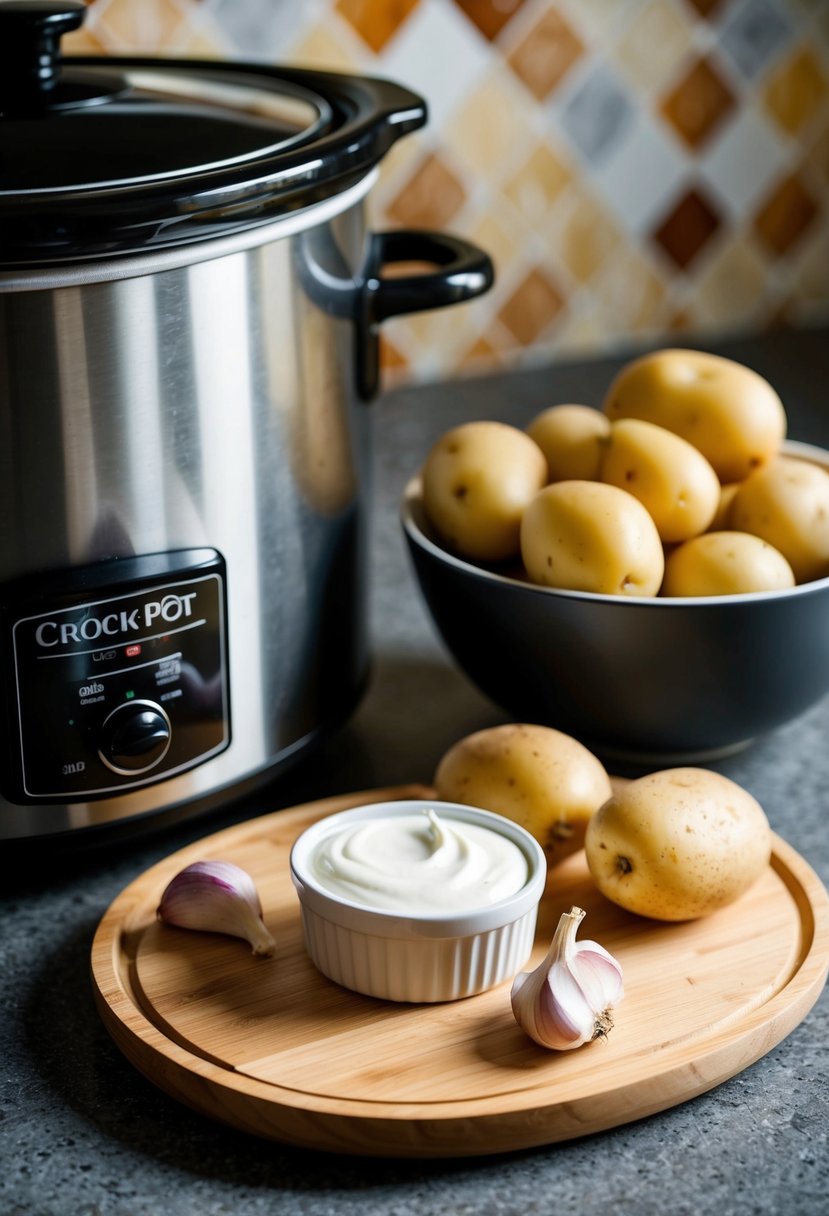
(85, 1135)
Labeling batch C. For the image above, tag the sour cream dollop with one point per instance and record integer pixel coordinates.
(419, 863)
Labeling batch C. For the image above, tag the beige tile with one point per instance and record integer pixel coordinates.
(538, 183)
(496, 232)
(728, 294)
(630, 294)
(809, 292)
(152, 25)
(491, 132)
(658, 24)
(320, 47)
(583, 235)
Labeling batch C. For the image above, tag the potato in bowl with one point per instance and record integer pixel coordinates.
(648, 677)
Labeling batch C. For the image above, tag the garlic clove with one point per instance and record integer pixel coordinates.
(217, 897)
(566, 1001)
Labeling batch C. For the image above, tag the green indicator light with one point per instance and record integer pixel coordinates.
(71, 721)
(130, 695)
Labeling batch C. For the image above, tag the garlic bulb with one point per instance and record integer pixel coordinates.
(217, 897)
(567, 1000)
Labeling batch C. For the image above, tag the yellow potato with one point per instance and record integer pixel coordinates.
(538, 777)
(727, 411)
(722, 516)
(725, 563)
(587, 536)
(671, 479)
(571, 438)
(678, 844)
(477, 481)
(787, 504)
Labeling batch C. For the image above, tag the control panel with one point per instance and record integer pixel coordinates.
(116, 675)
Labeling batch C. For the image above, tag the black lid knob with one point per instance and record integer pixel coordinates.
(30, 34)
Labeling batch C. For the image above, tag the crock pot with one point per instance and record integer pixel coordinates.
(189, 310)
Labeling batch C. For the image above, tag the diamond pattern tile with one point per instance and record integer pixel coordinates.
(730, 289)
(755, 35)
(597, 115)
(531, 307)
(546, 54)
(786, 215)
(489, 16)
(797, 91)
(663, 24)
(585, 236)
(376, 21)
(156, 24)
(629, 292)
(698, 104)
(434, 54)
(430, 198)
(538, 183)
(688, 228)
(493, 130)
(705, 8)
(635, 168)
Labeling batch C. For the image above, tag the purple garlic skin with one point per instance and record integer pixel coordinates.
(567, 1000)
(217, 897)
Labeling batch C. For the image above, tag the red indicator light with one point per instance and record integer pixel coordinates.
(132, 651)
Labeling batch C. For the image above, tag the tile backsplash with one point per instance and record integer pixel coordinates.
(637, 169)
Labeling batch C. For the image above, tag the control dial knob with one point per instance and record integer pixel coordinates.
(135, 737)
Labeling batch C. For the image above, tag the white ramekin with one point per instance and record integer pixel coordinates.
(409, 956)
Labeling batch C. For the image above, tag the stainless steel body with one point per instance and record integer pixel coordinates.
(203, 398)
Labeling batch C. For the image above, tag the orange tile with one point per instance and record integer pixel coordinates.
(391, 357)
(430, 198)
(533, 306)
(786, 215)
(376, 21)
(796, 91)
(697, 105)
(490, 16)
(705, 8)
(688, 227)
(546, 54)
(538, 183)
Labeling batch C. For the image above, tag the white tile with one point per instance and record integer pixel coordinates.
(433, 54)
(742, 164)
(642, 175)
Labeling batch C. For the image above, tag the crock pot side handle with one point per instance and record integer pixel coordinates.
(462, 272)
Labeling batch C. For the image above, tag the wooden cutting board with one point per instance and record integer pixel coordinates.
(274, 1048)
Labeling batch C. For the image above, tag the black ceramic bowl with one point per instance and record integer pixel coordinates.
(651, 679)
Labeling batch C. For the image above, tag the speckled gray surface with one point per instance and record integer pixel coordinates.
(83, 1134)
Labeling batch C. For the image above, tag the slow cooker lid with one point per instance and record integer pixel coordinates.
(104, 157)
